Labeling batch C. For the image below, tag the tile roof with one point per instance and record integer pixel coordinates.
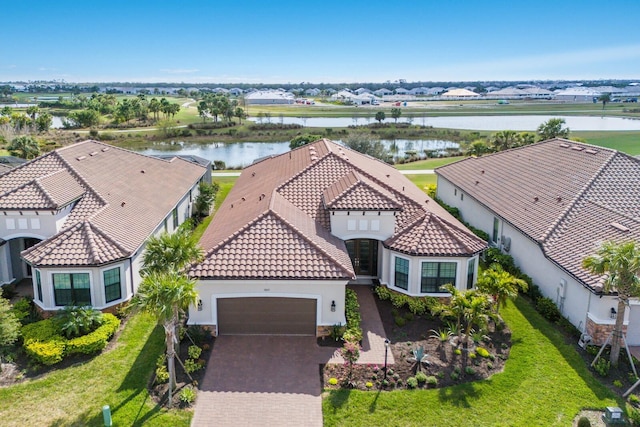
(430, 235)
(114, 196)
(353, 192)
(563, 194)
(289, 193)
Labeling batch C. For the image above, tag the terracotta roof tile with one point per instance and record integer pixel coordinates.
(82, 244)
(291, 189)
(586, 195)
(432, 236)
(122, 196)
(352, 192)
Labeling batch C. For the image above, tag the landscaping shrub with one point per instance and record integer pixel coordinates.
(432, 381)
(469, 370)
(22, 308)
(412, 382)
(333, 381)
(194, 351)
(198, 334)
(95, 341)
(191, 366)
(634, 414)
(47, 353)
(421, 377)
(482, 352)
(584, 422)
(369, 384)
(548, 309)
(43, 330)
(9, 324)
(44, 343)
(383, 292)
(187, 395)
(352, 313)
(634, 399)
(400, 321)
(77, 321)
(602, 367)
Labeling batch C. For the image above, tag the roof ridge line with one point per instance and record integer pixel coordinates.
(79, 177)
(311, 241)
(453, 235)
(91, 240)
(575, 200)
(99, 231)
(632, 218)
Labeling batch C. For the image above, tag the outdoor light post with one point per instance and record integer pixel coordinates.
(386, 350)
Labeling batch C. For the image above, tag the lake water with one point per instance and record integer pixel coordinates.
(488, 123)
(240, 154)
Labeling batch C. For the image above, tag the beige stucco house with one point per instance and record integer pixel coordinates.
(298, 227)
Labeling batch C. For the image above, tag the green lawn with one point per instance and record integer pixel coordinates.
(627, 142)
(544, 383)
(428, 163)
(422, 180)
(74, 396)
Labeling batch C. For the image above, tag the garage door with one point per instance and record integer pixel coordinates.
(266, 316)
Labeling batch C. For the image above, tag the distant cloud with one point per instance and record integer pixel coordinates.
(179, 70)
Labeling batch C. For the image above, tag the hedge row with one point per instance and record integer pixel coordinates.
(353, 332)
(416, 305)
(44, 343)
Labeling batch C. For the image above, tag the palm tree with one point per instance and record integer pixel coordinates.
(166, 296)
(504, 140)
(621, 265)
(500, 285)
(604, 98)
(170, 252)
(24, 147)
(476, 312)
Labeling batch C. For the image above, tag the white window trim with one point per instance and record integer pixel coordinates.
(53, 289)
(122, 282)
(408, 274)
(439, 261)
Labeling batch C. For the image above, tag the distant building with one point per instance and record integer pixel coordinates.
(577, 94)
(270, 97)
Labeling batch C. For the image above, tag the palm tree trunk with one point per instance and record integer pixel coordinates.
(171, 363)
(616, 340)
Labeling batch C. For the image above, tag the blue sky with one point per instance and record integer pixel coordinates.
(318, 41)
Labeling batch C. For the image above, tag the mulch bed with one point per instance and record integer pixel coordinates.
(160, 392)
(444, 364)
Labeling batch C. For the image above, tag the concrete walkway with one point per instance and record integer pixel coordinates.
(372, 351)
(275, 380)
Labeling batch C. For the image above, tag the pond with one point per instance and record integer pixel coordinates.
(240, 154)
(487, 123)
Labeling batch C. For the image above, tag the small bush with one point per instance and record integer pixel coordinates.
(482, 352)
(383, 292)
(400, 321)
(187, 395)
(472, 356)
(548, 309)
(469, 370)
(368, 384)
(457, 351)
(584, 422)
(333, 381)
(190, 366)
(634, 399)
(162, 375)
(421, 377)
(48, 353)
(455, 376)
(77, 321)
(617, 383)
(602, 367)
(409, 316)
(412, 382)
(432, 381)
(352, 313)
(43, 330)
(634, 414)
(194, 351)
(489, 365)
(96, 340)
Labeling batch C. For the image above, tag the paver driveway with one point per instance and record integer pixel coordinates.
(262, 381)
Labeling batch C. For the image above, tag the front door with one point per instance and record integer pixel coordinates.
(364, 256)
(29, 242)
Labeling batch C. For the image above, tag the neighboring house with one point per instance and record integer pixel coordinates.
(76, 220)
(270, 97)
(9, 162)
(382, 92)
(361, 90)
(298, 227)
(460, 94)
(550, 205)
(577, 94)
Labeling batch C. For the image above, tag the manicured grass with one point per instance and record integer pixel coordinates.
(226, 183)
(4, 152)
(627, 142)
(545, 383)
(74, 396)
(423, 180)
(428, 163)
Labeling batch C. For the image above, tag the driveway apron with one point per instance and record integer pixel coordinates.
(261, 380)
